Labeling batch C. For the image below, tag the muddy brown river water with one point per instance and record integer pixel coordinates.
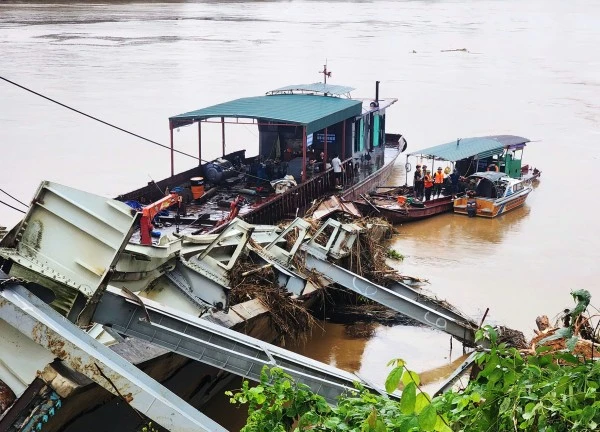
(531, 68)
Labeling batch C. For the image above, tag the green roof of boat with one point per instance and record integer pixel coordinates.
(315, 111)
(467, 147)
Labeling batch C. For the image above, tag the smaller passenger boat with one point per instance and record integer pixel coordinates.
(491, 194)
(401, 209)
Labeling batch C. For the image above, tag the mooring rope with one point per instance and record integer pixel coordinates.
(12, 207)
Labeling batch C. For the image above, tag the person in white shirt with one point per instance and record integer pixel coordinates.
(336, 163)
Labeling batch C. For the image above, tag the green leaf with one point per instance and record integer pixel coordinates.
(372, 419)
(571, 343)
(409, 424)
(531, 397)
(492, 333)
(441, 426)
(421, 402)
(588, 414)
(505, 404)
(393, 379)
(529, 411)
(567, 357)
(410, 376)
(428, 418)
(408, 400)
(561, 333)
(495, 375)
(542, 349)
(398, 362)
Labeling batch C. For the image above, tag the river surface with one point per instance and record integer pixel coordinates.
(531, 68)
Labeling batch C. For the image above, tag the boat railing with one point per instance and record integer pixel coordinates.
(153, 191)
(289, 203)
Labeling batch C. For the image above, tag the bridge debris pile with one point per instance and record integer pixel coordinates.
(255, 280)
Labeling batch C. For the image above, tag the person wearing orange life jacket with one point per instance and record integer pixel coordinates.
(438, 182)
(428, 183)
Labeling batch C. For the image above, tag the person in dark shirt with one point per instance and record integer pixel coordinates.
(418, 182)
(454, 177)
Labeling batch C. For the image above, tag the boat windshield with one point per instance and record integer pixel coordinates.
(490, 184)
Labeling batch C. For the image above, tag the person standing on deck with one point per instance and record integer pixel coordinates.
(438, 180)
(418, 183)
(322, 166)
(336, 163)
(428, 183)
(454, 177)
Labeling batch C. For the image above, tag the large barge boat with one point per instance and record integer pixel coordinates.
(301, 128)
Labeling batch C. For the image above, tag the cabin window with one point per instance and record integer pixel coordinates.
(518, 187)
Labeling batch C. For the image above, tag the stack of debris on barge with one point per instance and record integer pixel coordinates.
(83, 299)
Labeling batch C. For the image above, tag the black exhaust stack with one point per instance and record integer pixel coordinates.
(375, 103)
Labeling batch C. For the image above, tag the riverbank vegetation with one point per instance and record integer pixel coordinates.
(553, 386)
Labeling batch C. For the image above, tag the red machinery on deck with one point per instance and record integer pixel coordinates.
(150, 211)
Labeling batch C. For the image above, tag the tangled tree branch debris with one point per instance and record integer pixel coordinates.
(250, 280)
(572, 330)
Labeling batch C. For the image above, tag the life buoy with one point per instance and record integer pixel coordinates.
(408, 167)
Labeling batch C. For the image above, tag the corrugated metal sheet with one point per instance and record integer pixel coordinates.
(468, 147)
(313, 111)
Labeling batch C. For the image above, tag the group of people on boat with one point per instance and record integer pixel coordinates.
(427, 185)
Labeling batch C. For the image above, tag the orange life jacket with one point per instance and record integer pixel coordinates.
(439, 177)
(428, 181)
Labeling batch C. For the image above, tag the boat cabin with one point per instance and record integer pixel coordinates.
(300, 129)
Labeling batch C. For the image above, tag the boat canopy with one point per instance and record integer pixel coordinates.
(315, 112)
(464, 148)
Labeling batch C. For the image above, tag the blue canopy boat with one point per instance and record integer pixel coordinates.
(468, 156)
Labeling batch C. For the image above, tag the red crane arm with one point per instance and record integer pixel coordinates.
(152, 210)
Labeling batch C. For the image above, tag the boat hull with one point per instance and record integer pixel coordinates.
(490, 208)
(407, 214)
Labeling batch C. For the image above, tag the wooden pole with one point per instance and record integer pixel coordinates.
(172, 152)
(199, 143)
(325, 151)
(304, 154)
(223, 134)
(344, 140)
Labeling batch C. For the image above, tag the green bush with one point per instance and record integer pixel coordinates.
(512, 392)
